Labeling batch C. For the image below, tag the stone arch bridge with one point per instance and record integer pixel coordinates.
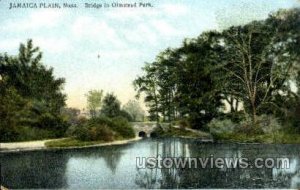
(146, 129)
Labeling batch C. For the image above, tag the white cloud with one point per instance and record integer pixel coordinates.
(119, 55)
(8, 45)
(52, 45)
(165, 28)
(36, 20)
(142, 34)
(175, 9)
(96, 30)
(132, 14)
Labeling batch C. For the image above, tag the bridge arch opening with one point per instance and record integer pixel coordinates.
(142, 134)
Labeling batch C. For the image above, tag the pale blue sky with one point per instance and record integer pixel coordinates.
(125, 38)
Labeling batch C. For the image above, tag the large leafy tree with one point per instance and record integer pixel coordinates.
(31, 93)
(259, 62)
(198, 96)
(252, 67)
(180, 82)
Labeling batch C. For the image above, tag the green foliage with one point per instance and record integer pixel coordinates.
(251, 67)
(180, 83)
(126, 115)
(111, 106)
(71, 115)
(217, 127)
(26, 133)
(178, 132)
(182, 123)
(11, 107)
(266, 124)
(280, 137)
(95, 132)
(102, 129)
(94, 101)
(123, 127)
(56, 124)
(134, 109)
(266, 130)
(30, 96)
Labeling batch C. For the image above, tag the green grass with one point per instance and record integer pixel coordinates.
(70, 142)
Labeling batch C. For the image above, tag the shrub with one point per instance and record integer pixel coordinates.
(27, 133)
(8, 133)
(225, 126)
(54, 123)
(94, 133)
(102, 128)
(122, 127)
(100, 132)
(184, 124)
(82, 133)
(268, 124)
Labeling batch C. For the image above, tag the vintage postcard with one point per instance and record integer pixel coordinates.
(149, 94)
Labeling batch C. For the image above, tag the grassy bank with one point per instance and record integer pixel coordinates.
(180, 132)
(72, 142)
(278, 138)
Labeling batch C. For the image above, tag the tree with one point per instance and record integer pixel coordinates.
(259, 62)
(147, 84)
(198, 97)
(135, 110)
(31, 95)
(251, 67)
(180, 82)
(94, 101)
(111, 106)
(32, 79)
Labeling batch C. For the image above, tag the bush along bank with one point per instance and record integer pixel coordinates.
(95, 131)
(267, 130)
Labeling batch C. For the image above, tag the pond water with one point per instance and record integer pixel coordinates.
(116, 167)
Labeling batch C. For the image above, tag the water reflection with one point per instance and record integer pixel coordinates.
(33, 170)
(115, 167)
(224, 177)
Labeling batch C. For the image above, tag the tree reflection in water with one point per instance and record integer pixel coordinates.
(48, 169)
(34, 170)
(225, 177)
(115, 167)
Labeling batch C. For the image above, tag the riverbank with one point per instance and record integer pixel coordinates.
(275, 138)
(57, 144)
(176, 131)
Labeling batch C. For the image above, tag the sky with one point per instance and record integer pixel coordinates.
(125, 38)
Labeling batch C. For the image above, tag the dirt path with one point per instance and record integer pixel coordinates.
(24, 145)
(37, 145)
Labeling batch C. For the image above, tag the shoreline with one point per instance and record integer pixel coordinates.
(40, 145)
